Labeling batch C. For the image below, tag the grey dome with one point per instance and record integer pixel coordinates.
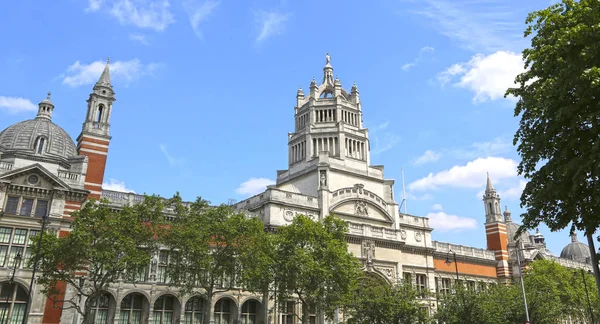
(511, 229)
(576, 251)
(23, 136)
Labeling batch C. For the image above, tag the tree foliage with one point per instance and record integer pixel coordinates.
(560, 117)
(103, 245)
(206, 244)
(554, 293)
(378, 302)
(314, 265)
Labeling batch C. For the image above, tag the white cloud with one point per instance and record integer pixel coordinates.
(140, 38)
(488, 77)
(424, 51)
(93, 5)
(443, 222)
(427, 157)
(382, 139)
(83, 74)
(199, 11)
(16, 104)
(482, 25)
(482, 149)
(470, 175)
(513, 192)
(173, 161)
(271, 23)
(116, 185)
(254, 186)
(437, 207)
(146, 14)
(413, 196)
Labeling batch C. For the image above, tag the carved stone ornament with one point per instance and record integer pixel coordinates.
(59, 194)
(3, 186)
(388, 272)
(288, 215)
(323, 179)
(360, 208)
(418, 236)
(368, 251)
(403, 234)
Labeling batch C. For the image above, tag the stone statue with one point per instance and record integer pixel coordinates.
(369, 251)
(327, 59)
(323, 179)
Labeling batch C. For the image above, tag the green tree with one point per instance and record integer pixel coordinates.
(378, 302)
(314, 265)
(560, 118)
(104, 245)
(207, 243)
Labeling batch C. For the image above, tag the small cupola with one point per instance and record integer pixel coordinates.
(45, 108)
(507, 215)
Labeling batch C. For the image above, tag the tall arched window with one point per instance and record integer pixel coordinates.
(99, 311)
(164, 307)
(193, 310)
(490, 209)
(223, 311)
(12, 303)
(99, 113)
(249, 312)
(40, 142)
(131, 309)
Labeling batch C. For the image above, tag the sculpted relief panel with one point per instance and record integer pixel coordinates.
(361, 208)
(290, 214)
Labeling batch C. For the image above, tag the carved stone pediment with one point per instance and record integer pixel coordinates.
(35, 176)
(361, 208)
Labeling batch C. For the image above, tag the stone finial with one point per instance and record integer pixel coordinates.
(327, 59)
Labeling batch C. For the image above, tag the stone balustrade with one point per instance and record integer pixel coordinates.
(6, 165)
(278, 195)
(413, 220)
(467, 251)
(366, 230)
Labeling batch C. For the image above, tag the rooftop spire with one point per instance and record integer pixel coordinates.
(45, 108)
(105, 76)
(574, 237)
(328, 71)
(489, 186)
(507, 215)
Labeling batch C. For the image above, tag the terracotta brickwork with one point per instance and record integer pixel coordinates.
(465, 268)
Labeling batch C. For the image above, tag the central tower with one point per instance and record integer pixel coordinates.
(328, 120)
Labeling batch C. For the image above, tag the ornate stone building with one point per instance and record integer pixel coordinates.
(44, 173)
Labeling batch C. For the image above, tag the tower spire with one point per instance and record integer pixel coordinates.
(105, 76)
(489, 187)
(328, 71)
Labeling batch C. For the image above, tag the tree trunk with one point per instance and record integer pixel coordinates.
(594, 260)
(265, 305)
(208, 309)
(305, 313)
(85, 318)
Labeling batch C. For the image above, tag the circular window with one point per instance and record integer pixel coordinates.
(33, 179)
(103, 91)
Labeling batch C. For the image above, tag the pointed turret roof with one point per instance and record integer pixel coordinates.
(105, 76)
(489, 186)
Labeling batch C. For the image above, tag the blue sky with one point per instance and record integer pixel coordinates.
(206, 89)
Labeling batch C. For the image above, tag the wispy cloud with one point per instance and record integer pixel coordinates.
(445, 222)
(127, 71)
(173, 161)
(271, 23)
(116, 185)
(145, 14)
(428, 157)
(422, 54)
(16, 104)
(140, 38)
(488, 77)
(253, 186)
(481, 25)
(382, 138)
(198, 12)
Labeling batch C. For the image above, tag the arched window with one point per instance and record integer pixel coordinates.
(490, 210)
(99, 311)
(131, 309)
(40, 142)
(223, 311)
(12, 303)
(249, 312)
(99, 113)
(193, 310)
(164, 307)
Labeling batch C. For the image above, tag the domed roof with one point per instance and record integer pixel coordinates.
(24, 137)
(576, 250)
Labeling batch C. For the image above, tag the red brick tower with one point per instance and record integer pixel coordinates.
(495, 230)
(95, 134)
